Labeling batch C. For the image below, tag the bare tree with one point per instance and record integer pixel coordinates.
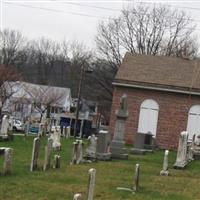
(45, 97)
(7, 76)
(12, 47)
(155, 30)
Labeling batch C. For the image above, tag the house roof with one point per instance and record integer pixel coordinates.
(59, 96)
(159, 72)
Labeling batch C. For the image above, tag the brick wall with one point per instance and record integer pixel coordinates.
(172, 116)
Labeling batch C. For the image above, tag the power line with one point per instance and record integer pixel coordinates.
(54, 10)
(69, 12)
(97, 7)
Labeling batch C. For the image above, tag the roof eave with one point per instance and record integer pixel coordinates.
(155, 87)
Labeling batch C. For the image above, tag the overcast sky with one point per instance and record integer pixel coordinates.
(71, 20)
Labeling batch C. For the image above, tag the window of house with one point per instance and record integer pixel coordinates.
(148, 117)
(193, 125)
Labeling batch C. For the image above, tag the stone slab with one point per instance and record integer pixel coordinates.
(140, 151)
(104, 156)
(120, 156)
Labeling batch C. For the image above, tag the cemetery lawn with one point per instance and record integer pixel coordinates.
(61, 184)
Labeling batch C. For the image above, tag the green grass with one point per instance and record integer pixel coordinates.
(61, 184)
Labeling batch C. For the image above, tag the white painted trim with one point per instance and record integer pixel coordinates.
(155, 88)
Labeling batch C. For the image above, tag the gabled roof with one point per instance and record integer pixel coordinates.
(159, 72)
(59, 96)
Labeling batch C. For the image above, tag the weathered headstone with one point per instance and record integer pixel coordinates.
(103, 145)
(56, 138)
(196, 148)
(141, 142)
(77, 197)
(181, 159)
(91, 149)
(117, 144)
(67, 131)
(164, 171)
(191, 149)
(27, 126)
(57, 159)
(41, 130)
(10, 126)
(91, 183)
(35, 154)
(198, 140)
(136, 177)
(77, 154)
(4, 127)
(7, 165)
(48, 152)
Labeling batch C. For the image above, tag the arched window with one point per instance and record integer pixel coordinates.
(148, 117)
(193, 125)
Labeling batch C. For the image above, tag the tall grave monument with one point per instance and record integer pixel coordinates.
(117, 145)
(181, 159)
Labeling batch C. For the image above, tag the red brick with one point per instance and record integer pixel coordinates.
(172, 117)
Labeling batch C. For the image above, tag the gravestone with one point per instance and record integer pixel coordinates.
(77, 154)
(91, 149)
(191, 149)
(117, 145)
(103, 145)
(4, 127)
(56, 138)
(143, 143)
(48, 152)
(77, 197)
(35, 154)
(41, 130)
(57, 159)
(181, 159)
(91, 183)
(196, 148)
(67, 131)
(10, 127)
(164, 171)
(27, 126)
(136, 177)
(7, 165)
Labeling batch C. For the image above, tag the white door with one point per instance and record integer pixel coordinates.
(148, 117)
(193, 125)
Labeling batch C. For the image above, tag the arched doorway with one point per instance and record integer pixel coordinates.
(193, 125)
(148, 117)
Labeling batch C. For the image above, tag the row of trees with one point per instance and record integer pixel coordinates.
(156, 30)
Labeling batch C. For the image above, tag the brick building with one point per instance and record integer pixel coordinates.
(163, 97)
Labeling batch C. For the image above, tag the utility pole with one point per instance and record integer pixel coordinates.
(78, 99)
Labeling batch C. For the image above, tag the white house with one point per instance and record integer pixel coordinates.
(28, 98)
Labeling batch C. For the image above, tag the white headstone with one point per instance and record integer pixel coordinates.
(136, 178)
(91, 183)
(164, 171)
(55, 136)
(77, 197)
(92, 147)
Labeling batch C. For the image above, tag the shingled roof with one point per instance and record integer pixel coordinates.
(161, 72)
